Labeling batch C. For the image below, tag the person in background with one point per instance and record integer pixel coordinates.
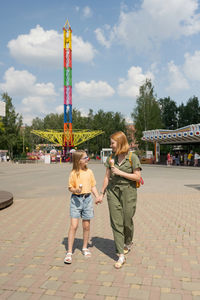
(168, 159)
(189, 158)
(196, 159)
(185, 159)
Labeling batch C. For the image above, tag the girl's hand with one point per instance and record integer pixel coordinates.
(77, 191)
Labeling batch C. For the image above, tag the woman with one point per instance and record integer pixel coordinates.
(120, 183)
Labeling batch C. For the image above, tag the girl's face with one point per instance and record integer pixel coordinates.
(113, 145)
(84, 160)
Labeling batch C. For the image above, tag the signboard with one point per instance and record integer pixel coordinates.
(2, 109)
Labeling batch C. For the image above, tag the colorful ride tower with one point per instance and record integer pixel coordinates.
(68, 138)
(67, 64)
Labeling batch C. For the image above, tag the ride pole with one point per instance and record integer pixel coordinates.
(67, 64)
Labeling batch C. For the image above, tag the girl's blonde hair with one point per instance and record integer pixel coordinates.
(122, 142)
(76, 157)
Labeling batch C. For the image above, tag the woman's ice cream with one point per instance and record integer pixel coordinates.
(112, 162)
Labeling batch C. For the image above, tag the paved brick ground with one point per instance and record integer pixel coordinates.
(165, 261)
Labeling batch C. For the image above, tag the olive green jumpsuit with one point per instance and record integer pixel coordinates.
(122, 198)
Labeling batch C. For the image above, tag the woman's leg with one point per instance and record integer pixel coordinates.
(129, 198)
(71, 234)
(116, 218)
(86, 232)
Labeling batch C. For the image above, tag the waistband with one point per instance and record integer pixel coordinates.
(82, 195)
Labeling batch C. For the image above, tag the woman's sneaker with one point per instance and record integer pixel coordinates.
(127, 248)
(120, 262)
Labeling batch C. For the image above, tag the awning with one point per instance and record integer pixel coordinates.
(185, 135)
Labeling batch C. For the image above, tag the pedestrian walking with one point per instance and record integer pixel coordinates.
(196, 159)
(122, 172)
(185, 159)
(168, 159)
(189, 158)
(81, 184)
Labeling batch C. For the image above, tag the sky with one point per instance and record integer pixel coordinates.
(116, 46)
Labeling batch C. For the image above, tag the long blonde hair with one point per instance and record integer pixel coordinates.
(122, 142)
(76, 157)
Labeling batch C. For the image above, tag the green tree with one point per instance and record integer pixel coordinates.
(2, 129)
(189, 113)
(53, 121)
(147, 114)
(169, 111)
(11, 138)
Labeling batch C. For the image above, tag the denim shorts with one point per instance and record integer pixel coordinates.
(81, 207)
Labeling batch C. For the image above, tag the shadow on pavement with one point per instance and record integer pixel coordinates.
(78, 244)
(194, 186)
(106, 246)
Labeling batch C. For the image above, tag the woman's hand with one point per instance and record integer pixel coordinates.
(116, 171)
(135, 176)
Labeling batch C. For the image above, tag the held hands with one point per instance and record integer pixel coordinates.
(99, 199)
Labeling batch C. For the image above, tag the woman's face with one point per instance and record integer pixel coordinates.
(113, 145)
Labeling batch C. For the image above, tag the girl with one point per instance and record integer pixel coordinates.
(81, 184)
(120, 182)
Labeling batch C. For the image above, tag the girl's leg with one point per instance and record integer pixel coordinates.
(86, 232)
(72, 232)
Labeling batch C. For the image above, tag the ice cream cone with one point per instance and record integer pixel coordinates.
(112, 162)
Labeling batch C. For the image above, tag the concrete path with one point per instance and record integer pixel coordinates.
(164, 263)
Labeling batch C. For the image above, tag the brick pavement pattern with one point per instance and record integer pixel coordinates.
(165, 260)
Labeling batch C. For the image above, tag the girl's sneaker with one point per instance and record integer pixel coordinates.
(86, 252)
(68, 258)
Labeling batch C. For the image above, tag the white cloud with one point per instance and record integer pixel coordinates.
(60, 109)
(34, 98)
(192, 66)
(82, 51)
(101, 38)
(176, 78)
(34, 104)
(93, 89)
(87, 12)
(37, 47)
(154, 22)
(41, 47)
(21, 83)
(130, 87)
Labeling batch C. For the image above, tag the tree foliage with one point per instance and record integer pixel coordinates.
(147, 114)
(169, 113)
(189, 113)
(10, 138)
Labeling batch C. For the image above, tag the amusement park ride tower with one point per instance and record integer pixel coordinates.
(68, 138)
(67, 56)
